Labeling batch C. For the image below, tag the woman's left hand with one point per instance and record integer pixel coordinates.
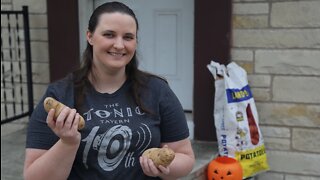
(150, 169)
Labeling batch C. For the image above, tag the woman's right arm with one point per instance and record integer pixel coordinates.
(55, 163)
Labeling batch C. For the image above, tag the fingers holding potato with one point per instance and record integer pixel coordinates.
(160, 156)
(51, 103)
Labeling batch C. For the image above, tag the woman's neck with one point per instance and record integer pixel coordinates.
(107, 82)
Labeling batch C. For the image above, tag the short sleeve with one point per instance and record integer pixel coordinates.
(173, 120)
(39, 135)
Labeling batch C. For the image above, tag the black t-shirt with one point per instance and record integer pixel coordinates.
(117, 131)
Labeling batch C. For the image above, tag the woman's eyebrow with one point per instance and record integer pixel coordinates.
(108, 31)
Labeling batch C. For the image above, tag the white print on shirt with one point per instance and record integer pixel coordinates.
(112, 111)
(112, 146)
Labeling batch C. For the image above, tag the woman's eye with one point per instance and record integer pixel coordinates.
(128, 38)
(108, 35)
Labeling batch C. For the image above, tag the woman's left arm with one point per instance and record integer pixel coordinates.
(184, 159)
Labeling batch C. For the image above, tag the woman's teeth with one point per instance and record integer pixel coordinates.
(116, 54)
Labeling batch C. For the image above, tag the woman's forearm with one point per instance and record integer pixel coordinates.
(181, 166)
(56, 163)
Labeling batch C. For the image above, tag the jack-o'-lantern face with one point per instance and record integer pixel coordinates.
(224, 168)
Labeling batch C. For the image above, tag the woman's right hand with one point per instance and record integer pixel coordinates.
(61, 155)
(66, 125)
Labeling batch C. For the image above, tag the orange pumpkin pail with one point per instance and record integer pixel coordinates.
(225, 168)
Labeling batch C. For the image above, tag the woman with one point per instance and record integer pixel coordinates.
(126, 111)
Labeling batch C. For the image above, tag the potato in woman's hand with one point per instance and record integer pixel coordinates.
(51, 103)
(160, 156)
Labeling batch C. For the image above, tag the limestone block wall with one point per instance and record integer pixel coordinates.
(278, 43)
(39, 43)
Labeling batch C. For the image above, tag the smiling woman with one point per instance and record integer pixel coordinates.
(106, 86)
(114, 43)
(216, 30)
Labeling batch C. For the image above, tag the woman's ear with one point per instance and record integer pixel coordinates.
(89, 37)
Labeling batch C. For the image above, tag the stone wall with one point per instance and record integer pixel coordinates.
(39, 45)
(278, 43)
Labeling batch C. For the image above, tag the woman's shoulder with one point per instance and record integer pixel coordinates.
(63, 82)
(61, 89)
(159, 86)
(157, 81)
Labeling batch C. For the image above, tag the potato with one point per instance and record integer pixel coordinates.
(160, 156)
(51, 103)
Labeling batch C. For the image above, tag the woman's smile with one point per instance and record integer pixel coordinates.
(116, 54)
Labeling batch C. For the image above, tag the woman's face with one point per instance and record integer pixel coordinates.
(114, 41)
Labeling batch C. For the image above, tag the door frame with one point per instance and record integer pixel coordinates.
(63, 35)
(212, 42)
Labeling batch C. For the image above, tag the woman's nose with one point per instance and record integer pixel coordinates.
(119, 43)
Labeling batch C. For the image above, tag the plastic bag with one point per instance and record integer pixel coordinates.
(236, 119)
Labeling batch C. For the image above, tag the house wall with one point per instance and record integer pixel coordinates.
(278, 43)
(39, 47)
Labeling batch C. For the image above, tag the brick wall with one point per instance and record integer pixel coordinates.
(278, 43)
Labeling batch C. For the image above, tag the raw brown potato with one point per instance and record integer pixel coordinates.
(160, 156)
(51, 103)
